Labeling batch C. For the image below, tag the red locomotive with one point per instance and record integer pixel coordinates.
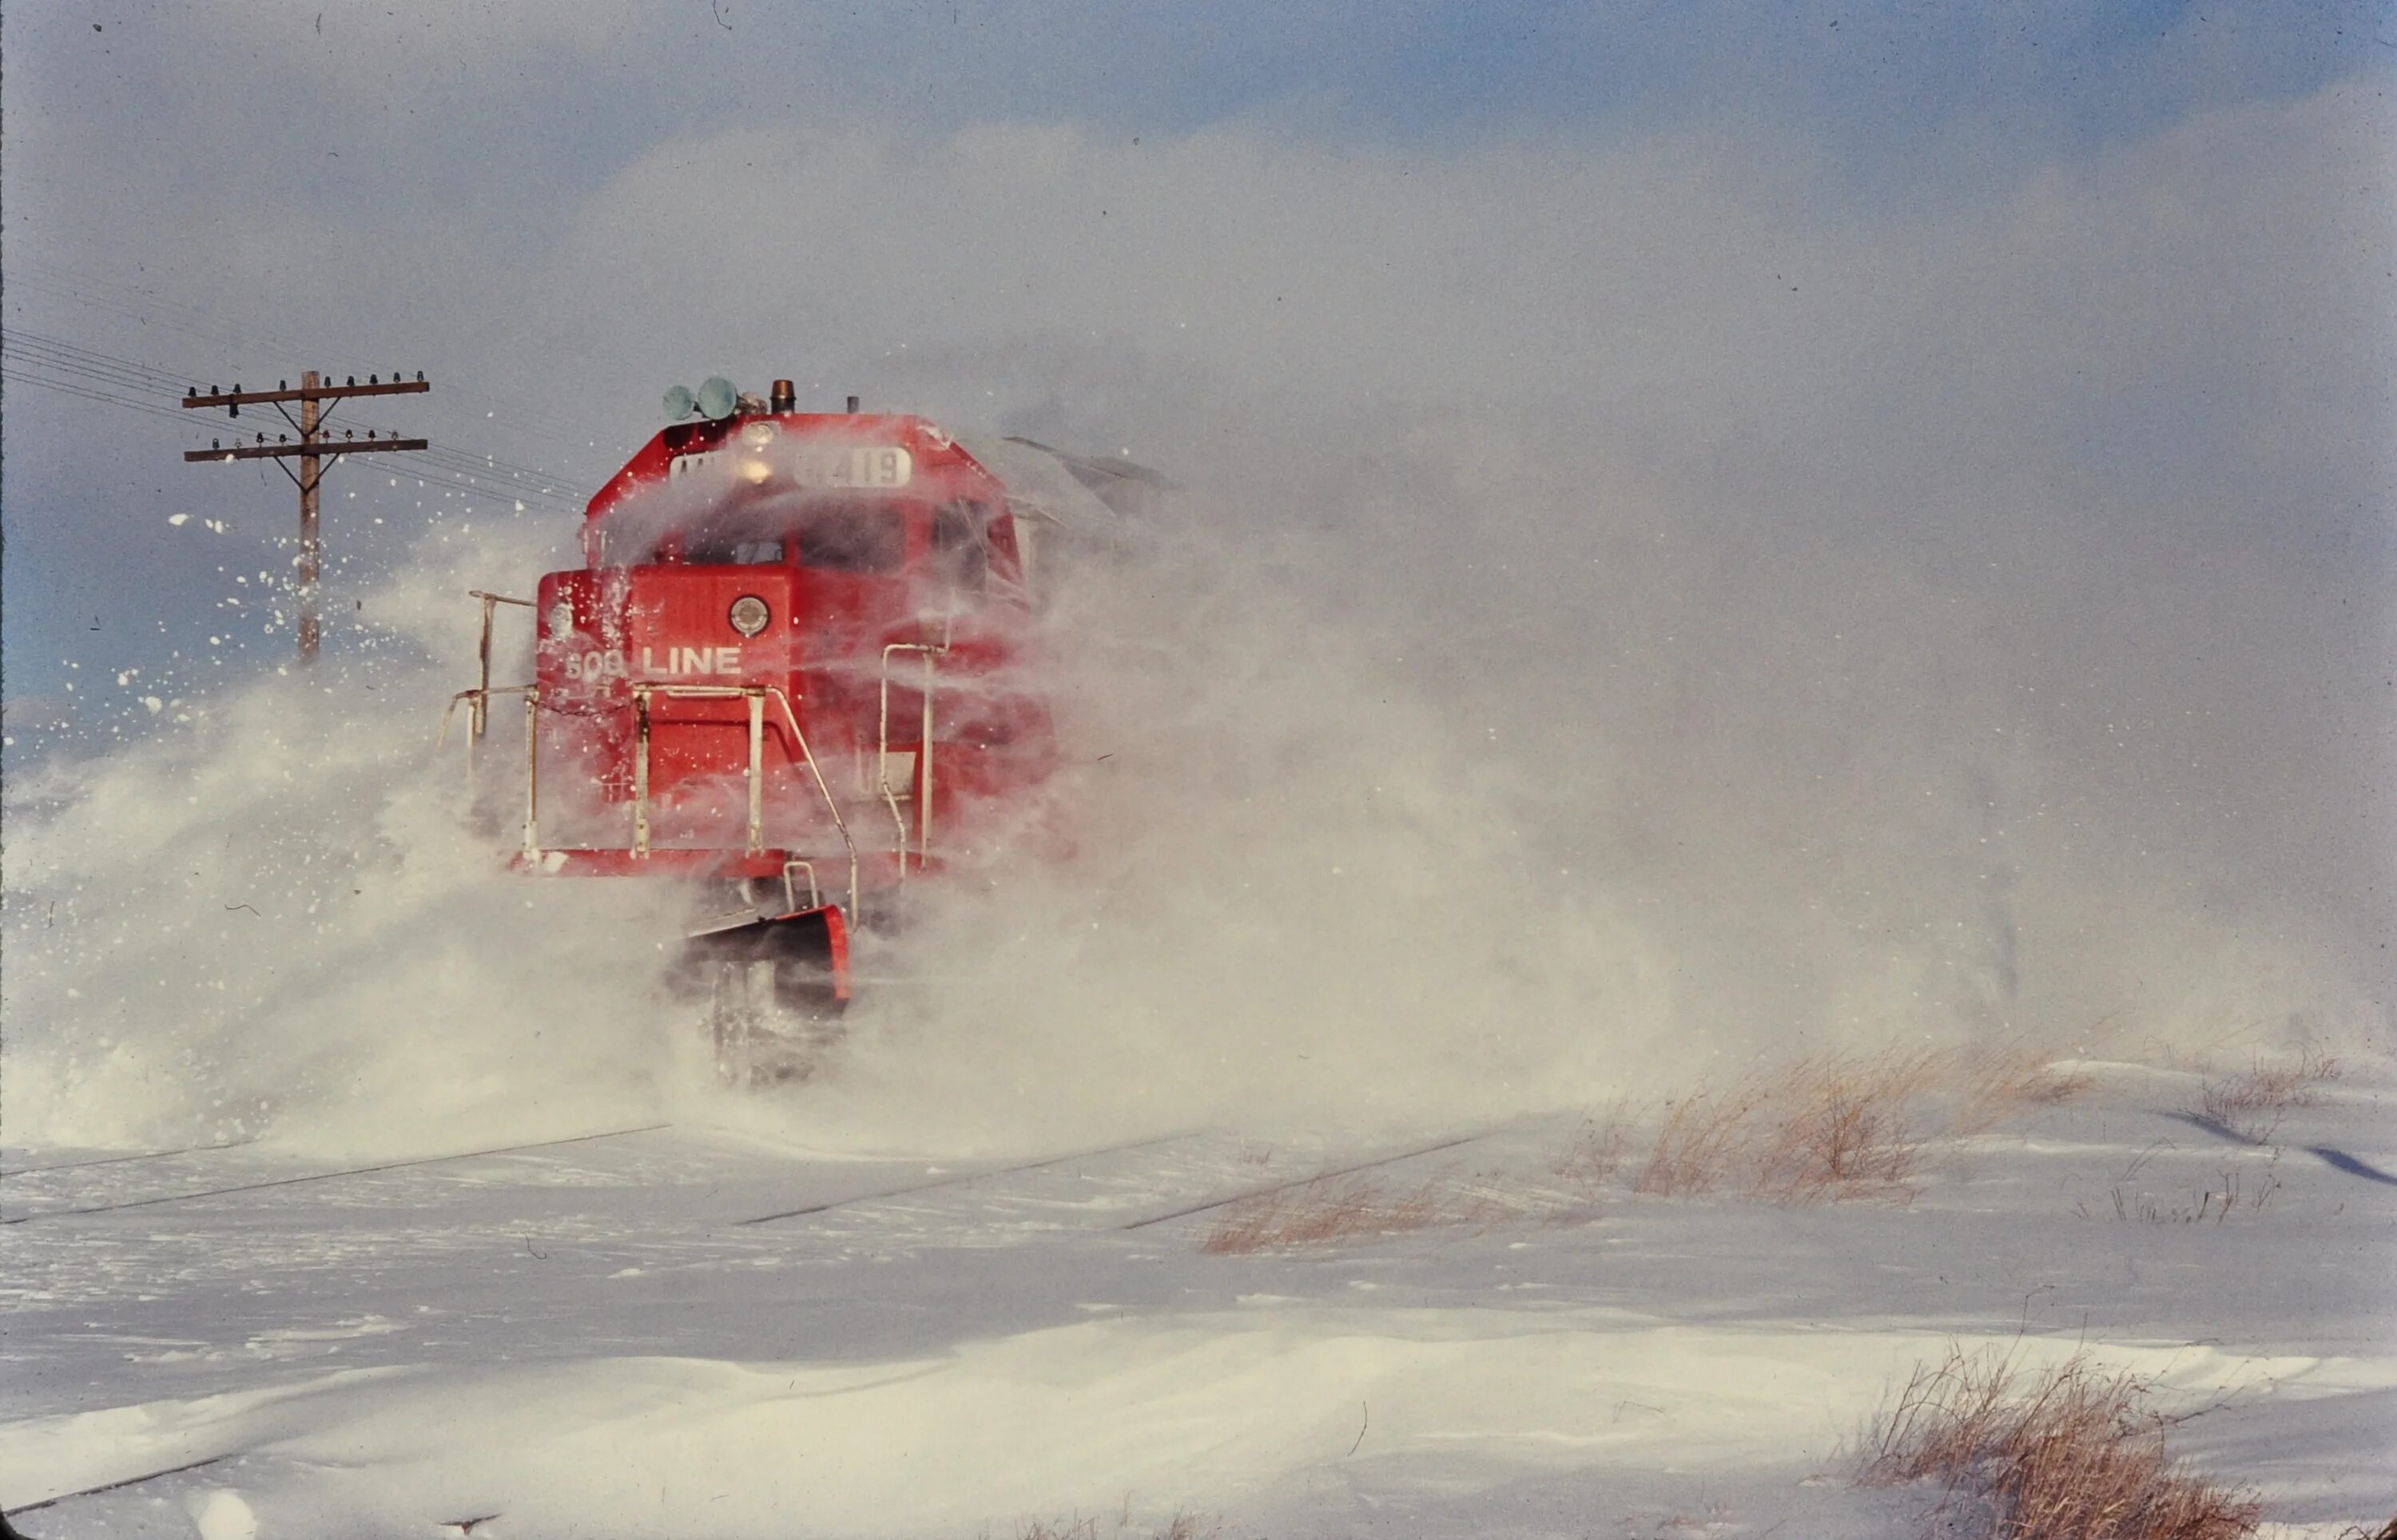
(795, 670)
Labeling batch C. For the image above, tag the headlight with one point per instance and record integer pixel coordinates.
(561, 618)
(749, 614)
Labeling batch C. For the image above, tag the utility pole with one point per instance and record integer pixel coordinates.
(316, 450)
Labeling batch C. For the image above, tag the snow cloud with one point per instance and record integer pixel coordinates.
(1900, 550)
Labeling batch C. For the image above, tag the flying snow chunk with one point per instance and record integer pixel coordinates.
(154, 704)
(178, 520)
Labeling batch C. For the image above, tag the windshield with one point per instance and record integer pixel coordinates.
(827, 535)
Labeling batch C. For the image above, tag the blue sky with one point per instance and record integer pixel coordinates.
(1906, 100)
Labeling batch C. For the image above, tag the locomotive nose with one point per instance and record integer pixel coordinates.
(728, 625)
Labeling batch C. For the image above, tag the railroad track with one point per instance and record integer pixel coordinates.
(304, 1178)
(964, 1178)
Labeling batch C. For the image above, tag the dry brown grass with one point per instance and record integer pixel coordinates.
(1827, 1129)
(1840, 1128)
(1334, 1208)
(2211, 1204)
(1822, 1130)
(2063, 1453)
(1705, 1140)
(2252, 1104)
(2000, 1083)
(1847, 1128)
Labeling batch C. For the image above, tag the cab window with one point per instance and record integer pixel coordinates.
(959, 556)
(703, 551)
(853, 539)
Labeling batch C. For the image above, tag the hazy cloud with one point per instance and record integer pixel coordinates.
(1924, 491)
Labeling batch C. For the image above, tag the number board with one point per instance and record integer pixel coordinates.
(876, 466)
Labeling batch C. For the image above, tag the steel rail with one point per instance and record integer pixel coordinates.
(114, 1486)
(332, 1176)
(119, 1159)
(1318, 1177)
(965, 1179)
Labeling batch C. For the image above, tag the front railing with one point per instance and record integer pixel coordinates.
(757, 696)
(483, 657)
(478, 702)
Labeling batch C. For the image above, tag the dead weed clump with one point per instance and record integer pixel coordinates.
(1997, 1084)
(1706, 1142)
(2251, 1105)
(2213, 1204)
(1822, 1131)
(2063, 1453)
(1847, 1128)
(1338, 1208)
(1827, 1129)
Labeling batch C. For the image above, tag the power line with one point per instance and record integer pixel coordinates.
(64, 355)
(490, 475)
(550, 496)
(22, 377)
(203, 326)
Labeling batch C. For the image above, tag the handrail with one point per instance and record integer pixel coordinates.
(483, 652)
(532, 770)
(481, 699)
(923, 755)
(641, 773)
(790, 894)
(830, 805)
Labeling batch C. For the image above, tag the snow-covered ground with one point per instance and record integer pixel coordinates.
(611, 1337)
(1061, 1240)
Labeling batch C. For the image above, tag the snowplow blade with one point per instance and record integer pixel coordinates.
(807, 948)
